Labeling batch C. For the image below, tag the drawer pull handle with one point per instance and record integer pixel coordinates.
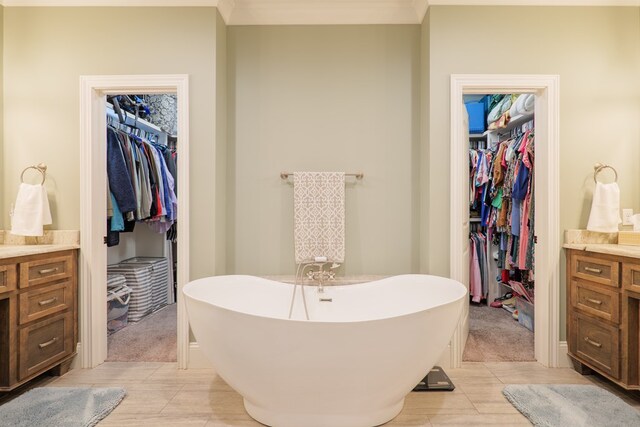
(48, 301)
(593, 270)
(48, 343)
(594, 301)
(593, 343)
(48, 270)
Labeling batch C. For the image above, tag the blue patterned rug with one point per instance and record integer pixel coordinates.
(571, 405)
(60, 407)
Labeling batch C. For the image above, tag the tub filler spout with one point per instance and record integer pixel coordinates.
(320, 276)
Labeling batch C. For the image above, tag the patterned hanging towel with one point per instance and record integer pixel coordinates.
(318, 200)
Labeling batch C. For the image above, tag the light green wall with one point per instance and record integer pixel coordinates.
(356, 98)
(221, 146)
(46, 50)
(311, 98)
(596, 52)
(425, 122)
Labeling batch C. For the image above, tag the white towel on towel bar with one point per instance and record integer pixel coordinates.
(31, 211)
(605, 208)
(318, 199)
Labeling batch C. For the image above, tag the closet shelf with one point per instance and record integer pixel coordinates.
(477, 136)
(513, 123)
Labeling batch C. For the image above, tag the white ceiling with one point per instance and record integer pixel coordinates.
(319, 12)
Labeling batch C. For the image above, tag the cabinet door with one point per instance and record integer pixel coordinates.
(44, 343)
(597, 300)
(7, 278)
(47, 270)
(631, 277)
(596, 269)
(41, 302)
(597, 343)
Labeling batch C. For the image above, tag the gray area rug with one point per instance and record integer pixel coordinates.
(60, 407)
(494, 336)
(152, 339)
(570, 405)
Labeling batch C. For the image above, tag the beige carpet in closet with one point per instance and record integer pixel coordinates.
(494, 336)
(152, 339)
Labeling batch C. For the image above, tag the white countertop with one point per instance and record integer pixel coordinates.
(606, 248)
(11, 251)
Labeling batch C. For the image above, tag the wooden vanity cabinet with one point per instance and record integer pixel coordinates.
(602, 315)
(38, 316)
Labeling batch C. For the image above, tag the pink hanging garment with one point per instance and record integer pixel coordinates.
(475, 280)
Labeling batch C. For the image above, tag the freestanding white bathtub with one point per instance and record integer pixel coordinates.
(351, 364)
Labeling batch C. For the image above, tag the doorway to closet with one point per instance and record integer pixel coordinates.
(549, 351)
(501, 132)
(142, 218)
(94, 90)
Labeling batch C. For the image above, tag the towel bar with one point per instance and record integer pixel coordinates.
(42, 168)
(359, 175)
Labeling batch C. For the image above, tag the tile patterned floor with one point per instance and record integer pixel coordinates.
(160, 395)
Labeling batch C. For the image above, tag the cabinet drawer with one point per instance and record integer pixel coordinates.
(596, 270)
(43, 343)
(34, 273)
(597, 343)
(631, 277)
(7, 278)
(600, 301)
(38, 303)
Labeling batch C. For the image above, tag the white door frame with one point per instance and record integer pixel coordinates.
(547, 210)
(93, 206)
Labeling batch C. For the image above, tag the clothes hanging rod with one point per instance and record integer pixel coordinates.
(131, 120)
(359, 175)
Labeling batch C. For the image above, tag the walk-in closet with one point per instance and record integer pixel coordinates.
(141, 224)
(502, 229)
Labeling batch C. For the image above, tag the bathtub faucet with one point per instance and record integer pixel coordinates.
(321, 275)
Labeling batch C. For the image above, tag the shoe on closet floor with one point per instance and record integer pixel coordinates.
(511, 302)
(504, 297)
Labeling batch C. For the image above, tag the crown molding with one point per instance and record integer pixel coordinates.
(421, 7)
(611, 3)
(225, 7)
(315, 12)
(109, 3)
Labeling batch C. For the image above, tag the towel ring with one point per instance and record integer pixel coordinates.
(598, 167)
(42, 168)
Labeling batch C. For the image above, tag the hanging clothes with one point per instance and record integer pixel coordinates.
(118, 174)
(141, 182)
(501, 198)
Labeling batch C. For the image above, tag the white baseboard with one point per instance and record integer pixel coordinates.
(563, 359)
(445, 360)
(197, 359)
(76, 363)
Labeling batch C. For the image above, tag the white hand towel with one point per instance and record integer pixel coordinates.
(31, 211)
(605, 208)
(318, 199)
